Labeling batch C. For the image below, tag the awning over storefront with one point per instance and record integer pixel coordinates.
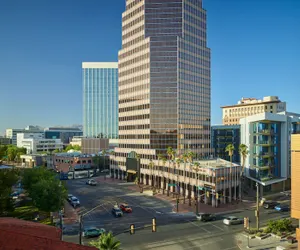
(131, 171)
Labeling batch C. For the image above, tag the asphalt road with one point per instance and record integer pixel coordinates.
(174, 231)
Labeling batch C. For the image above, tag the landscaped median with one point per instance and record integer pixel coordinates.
(279, 229)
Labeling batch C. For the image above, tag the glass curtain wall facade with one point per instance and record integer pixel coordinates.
(164, 79)
(100, 100)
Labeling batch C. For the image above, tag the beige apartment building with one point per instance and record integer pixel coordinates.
(295, 179)
(251, 106)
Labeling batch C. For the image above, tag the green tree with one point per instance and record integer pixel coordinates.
(151, 167)
(32, 176)
(243, 150)
(48, 195)
(230, 149)
(190, 155)
(11, 153)
(197, 169)
(8, 177)
(106, 242)
(178, 162)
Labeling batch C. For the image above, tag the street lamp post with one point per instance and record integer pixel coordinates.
(257, 206)
(81, 222)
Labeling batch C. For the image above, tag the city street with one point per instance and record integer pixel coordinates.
(174, 231)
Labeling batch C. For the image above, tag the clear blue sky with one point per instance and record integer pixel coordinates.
(255, 52)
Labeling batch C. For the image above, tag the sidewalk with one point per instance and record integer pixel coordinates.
(268, 243)
(203, 208)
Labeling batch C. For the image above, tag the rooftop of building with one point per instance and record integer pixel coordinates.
(27, 235)
(214, 163)
(245, 101)
(99, 65)
(73, 154)
(226, 126)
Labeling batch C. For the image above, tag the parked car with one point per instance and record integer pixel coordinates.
(125, 208)
(270, 204)
(75, 202)
(105, 171)
(14, 195)
(232, 220)
(117, 212)
(69, 197)
(92, 232)
(91, 182)
(282, 208)
(206, 217)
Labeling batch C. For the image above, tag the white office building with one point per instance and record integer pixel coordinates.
(11, 133)
(268, 137)
(35, 142)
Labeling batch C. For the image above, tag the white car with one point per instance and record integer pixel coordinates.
(69, 197)
(232, 220)
(75, 202)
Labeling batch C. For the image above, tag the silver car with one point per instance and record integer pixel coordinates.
(232, 220)
(75, 202)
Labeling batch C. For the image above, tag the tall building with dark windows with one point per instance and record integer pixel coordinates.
(100, 99)
(164, 80)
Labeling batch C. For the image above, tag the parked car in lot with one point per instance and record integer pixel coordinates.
(91, 182)
(126, 208)
(117, 212)
(69, 197)
(206, 217)
(282, 208)
(232, 220)
(15, 195)
(92, 232)
(74, 201)
(270, 204)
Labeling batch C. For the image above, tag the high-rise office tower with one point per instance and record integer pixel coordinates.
(100, 99)
(164, 79)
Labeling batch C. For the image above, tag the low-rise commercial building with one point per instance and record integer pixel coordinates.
(211, 180)
(12, 132)
(223, 135)
(267, 136)
(35, 142)
(76, 141)
(251, 106)
(65, 162)
(65, 134)
(33, 160)
(94, 145)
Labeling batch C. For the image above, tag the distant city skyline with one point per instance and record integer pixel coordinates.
(255, 47)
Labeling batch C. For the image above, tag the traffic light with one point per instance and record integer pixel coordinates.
(132, 229)
(154, 225)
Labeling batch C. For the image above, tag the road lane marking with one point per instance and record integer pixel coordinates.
(216, 226)
(193, 223)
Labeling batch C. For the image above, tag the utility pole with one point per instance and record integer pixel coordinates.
(61, 225)
(257, 206)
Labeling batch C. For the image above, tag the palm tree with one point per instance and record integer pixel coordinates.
(104, 152)
(112, 153)
(160, 157)
(230, 149)
(151, 166)
(185, 159)
(191, 156)
(170, 153)
(178, 161)
(164, 160)
(106, 242)
(243, 150)
(197, 169)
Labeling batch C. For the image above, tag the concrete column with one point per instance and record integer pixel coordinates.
(261, 191)
(213, 202)
(224, 196)
(205, 198)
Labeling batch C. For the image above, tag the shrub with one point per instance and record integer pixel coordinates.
(259, 234)
(284, 225)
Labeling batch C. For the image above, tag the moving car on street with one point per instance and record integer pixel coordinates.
(282, 208)
(232, 220)
(206, 217)
(125, 208)
(117, 212)
(69, 197)
(270, 204)
(92, 232)
(74, 202)
(91, 182)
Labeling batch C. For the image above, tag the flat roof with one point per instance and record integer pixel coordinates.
(251, 104)
(100, 65)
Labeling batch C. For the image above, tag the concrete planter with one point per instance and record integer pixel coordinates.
(251, 236)
(278, 237)
(264, 236)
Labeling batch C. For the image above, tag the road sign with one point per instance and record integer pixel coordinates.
(172, 185)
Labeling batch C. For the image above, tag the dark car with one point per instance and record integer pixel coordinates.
(206, 217)
(282, 208)
(117, 212)
(92, 232)
(270, 204)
